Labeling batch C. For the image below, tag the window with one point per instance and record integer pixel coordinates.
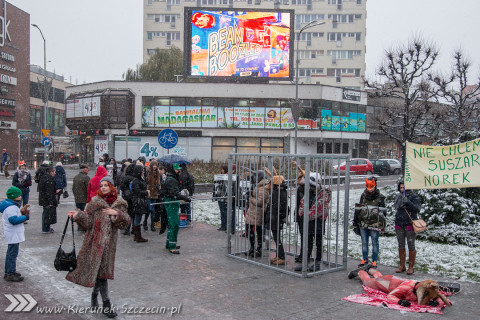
(328, 147)
(320, 146)
(345, 147)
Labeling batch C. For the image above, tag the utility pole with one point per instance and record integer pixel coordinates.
(45, 88)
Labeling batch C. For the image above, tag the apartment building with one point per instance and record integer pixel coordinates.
(330, 54)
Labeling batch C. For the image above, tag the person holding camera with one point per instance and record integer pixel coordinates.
(14, 231)
(407, 205)
(172, 205)
(368, 220)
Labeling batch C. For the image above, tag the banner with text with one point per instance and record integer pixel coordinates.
(440, 167)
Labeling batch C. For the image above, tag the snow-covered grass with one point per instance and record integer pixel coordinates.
(452, 261)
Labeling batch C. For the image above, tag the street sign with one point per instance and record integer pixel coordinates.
(45, 132)
(45, 141)
(24, 132)
(167, 138)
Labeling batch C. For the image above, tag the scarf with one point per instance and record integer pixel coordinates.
(109, 198)
(22, 175)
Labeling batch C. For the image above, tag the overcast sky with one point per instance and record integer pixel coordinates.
(96, 40)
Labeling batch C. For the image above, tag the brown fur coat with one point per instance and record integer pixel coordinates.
(258, 203)
(96, 258)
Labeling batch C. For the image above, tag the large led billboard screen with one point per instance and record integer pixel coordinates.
(240, 44)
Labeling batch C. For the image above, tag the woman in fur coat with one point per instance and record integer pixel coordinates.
(104, 215)
(258, 202)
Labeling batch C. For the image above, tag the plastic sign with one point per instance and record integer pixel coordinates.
(168, 138)
(45, 132)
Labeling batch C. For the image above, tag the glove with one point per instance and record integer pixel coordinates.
(433, 303)
(404, 303)
(184, 198)
(184, 192)
(356, 230)
(28, 218)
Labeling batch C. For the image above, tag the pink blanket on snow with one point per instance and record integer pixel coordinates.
(374, 297)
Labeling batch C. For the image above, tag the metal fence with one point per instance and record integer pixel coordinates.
(268, 196)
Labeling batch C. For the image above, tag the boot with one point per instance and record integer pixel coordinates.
(411, 261)
(94, 301)
(137, 231)
(402, 255)
(127, 231)
(145, 225)
(107, 309)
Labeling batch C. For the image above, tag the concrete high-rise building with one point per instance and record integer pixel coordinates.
(330, 54)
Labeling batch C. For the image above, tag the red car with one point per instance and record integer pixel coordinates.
(357, 166)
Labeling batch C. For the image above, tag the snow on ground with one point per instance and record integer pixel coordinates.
(452, 261)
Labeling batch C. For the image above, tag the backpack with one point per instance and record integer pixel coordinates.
(127, 194)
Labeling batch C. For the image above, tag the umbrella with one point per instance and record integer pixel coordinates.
(173, 158)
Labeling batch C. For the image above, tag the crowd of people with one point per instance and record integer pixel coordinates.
(160, 191)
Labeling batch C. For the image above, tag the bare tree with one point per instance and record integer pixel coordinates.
(462, 100)
(162, 66)
(404, 88)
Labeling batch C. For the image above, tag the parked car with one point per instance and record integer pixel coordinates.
(357, 166)
(381, 167)
(395, 164)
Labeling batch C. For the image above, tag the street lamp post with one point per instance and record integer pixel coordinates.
(45, 93)
(297, 101)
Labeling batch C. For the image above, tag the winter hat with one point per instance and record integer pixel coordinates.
(13, 193)
(108, 179)
(176, 166)
(21, 162)
(276, 179)
(315, 179)
(46, 162)
(4, 150)
(58, 164)
(370, 183)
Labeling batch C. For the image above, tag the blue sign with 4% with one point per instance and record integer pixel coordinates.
(167, 138)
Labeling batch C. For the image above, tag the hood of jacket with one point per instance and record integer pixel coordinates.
(59, 170)
(137, 171)
(4, 204)
(101, 172)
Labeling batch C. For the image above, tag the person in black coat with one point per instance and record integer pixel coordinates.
(60, 180)
(407, 203)
(40, 171)
(47, 192)
(22, 179)
(171, 192)
(276, 214)
(139, 201)
(187, 182)
(124, 186)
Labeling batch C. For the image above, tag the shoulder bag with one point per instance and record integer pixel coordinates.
(66, 261)
(419, 225)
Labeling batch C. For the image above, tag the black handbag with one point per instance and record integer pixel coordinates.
(65, 194)
(50, 215)
(66, 261)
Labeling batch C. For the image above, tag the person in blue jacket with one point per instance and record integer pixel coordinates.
(14, 231)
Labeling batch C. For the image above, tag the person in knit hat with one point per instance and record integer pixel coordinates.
(14, 231)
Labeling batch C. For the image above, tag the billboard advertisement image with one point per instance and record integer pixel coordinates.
(244, 43)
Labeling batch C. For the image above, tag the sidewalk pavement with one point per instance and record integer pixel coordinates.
(200, 283)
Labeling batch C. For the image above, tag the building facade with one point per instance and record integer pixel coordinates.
(124, 119)
(330, 54)
(32, 149)
(14, 78)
